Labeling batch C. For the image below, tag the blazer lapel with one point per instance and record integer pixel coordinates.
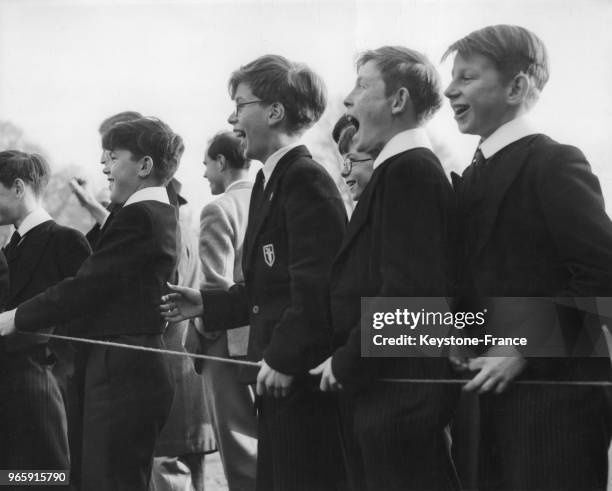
(28, 256)
(257, 217)
(507, 165)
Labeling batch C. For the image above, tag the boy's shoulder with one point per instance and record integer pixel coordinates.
(147, 217)
(151, 209)
(549, 154)
(419, 162)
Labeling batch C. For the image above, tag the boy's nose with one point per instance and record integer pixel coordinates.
(348, 100)
(450, 91)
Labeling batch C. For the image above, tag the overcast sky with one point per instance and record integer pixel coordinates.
(66, 65)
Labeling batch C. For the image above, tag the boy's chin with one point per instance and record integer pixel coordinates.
(117, 199)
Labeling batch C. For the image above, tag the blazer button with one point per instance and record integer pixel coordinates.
(255, 309)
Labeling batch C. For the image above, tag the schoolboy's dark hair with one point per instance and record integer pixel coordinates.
(404, 67)
(148, 137)
(512, 49)
(273, 78)
(343, 133)
(31, 168)
(229, 145)
(121, 117)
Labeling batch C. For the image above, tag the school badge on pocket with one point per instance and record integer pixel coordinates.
(268, 252)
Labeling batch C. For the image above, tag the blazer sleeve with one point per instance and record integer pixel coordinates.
(573, 208)
(225, 309)
(315, 221)
(414, 233)
(104, 276)
(217, 253)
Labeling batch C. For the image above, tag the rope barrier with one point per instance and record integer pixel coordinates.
(593, 383)
(145, 348)
(596, 383)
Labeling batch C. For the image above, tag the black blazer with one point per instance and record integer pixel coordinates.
(117, 289)
(399, 243)
(537, 229)
(290, 242)
(4, 280)
(47, 254)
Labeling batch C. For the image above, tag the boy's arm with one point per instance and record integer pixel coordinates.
(573, 207)
(105, 275)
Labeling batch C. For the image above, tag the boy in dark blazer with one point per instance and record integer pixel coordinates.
(534, 225)
(295, 225)
(40, 254)
(399, 243)
(115, 293)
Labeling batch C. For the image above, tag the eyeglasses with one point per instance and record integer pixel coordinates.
(240, 105)
(347, 165)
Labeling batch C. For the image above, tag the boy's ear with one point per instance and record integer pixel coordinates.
(276, 113)
(146, 167)
(518, 89)
(401, 100)
(19, 187)
(222, 162)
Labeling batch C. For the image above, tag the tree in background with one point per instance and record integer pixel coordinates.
(59, 200)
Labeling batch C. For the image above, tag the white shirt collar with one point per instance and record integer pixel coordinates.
(506, 134)
(236, 183)
(155, 193)
(34, 219)
(403, 141)
(272, 160)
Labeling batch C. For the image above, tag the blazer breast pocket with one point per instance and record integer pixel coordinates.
(271, 256)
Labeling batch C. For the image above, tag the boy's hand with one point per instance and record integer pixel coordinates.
(185, 303)
(87, 200)
(273, 383)
(328, 380)
(7, 322)
(495, 371)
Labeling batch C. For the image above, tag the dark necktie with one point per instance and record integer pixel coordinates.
(478, 161)
(257, 195)
(11, 247)
(257, 199)
(475, 182)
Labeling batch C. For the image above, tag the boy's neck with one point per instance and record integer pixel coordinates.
(27, 207)
(278, 141)
(509, 116)
(234, 175)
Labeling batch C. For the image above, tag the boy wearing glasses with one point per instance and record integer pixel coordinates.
(356, 167)
(114, 295)
(295, 226)
(398, 244)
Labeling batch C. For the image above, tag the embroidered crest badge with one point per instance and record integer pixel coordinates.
(268, 253)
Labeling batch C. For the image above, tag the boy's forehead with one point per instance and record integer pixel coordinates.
(369, 70)
(243, 91)
(473, 60)
(117, 150)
